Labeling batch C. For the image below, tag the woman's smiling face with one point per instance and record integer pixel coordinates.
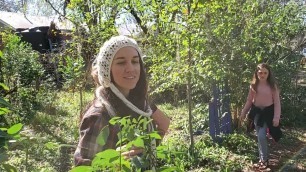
(125, 69)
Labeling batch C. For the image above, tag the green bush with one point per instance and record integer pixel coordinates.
(10, 134)
(20, 71)
(239, 143)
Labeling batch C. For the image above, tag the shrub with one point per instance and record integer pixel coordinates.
(20, 71)
(239, 143)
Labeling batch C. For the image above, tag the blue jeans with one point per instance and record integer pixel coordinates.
(262, 140)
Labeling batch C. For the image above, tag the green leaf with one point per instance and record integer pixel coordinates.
(114, 120)
(126, 166)
(129, 145)
(4, 103)
(161, 155)
(108, 154)
(14, 129)
(82, 169)
(123, 122)
(155, 135)
(147, 122)
(9, 168)
(161, 152)
(134, 120)
(130, 134)
(4, 86)
(102, 137)
(51, 145)
(138, 142)
(121, 141)
(17, 136)
(4, 111)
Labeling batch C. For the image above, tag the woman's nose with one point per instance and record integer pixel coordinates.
(129, 67)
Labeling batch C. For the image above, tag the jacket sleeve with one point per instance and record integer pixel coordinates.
(90, 128)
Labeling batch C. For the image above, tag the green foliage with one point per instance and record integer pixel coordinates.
(200, 117)
(102, 137)
(201, 42)
(20, 71)
(292, 95)
(208, 155)
(133, 133)
(224, 45)
(20, 65)
(239, 143)
(72, 71)
(50, 139)
(7, 135)
(44, 144)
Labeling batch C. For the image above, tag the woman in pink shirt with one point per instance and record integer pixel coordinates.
(263, 105)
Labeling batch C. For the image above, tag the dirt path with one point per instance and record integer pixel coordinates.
(297, 162)
(285, 155)
(288, 154)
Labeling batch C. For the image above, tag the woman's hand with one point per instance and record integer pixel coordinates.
(162, 122)
(128, 154)
(275, 122)
(242, 117)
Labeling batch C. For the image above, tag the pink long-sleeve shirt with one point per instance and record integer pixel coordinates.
(264, 97)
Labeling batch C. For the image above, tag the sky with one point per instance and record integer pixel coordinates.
(125, 23)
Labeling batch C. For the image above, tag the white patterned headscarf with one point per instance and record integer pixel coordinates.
(104, 63)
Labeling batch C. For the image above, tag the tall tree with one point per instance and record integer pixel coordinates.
(210, 40)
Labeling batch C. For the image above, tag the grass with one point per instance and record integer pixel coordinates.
(56, 124)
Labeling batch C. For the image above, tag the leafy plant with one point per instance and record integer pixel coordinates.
(133, 133)
(7, 135)
(239, 143)
(20, 71)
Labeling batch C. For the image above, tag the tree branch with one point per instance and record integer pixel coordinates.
(61, 15)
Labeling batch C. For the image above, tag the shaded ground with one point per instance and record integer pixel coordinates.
(297, 163)
(285, 151)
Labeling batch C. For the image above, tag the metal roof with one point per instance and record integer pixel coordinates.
(21, 21)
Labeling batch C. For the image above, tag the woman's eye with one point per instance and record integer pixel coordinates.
(124, 62)
(120, 63)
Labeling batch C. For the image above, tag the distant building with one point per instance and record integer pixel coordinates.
(33, 29)
(19, 21)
